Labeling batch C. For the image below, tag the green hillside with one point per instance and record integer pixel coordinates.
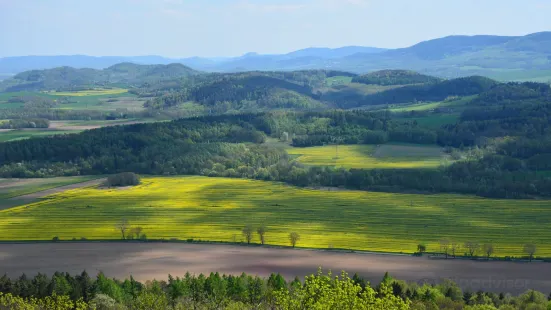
(67, 78)
(395, 77)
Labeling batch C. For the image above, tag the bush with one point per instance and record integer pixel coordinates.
(55, 239)
(123, 179)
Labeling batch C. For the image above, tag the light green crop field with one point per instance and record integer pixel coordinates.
(216, 209)
(91, 92)
(14, 135)
(16, 187)
(6, 96)
(386, 156)
(433, 121)
(458, 104)
(97, 100)
(338, 80)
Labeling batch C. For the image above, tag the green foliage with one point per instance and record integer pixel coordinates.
(395, 77)
(437, 91)
(71, 79)
(327, 292)
(123, 179)
(25, 123)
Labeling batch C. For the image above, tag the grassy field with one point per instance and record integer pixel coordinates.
(216, 209)
(65, 127)
(91, 92)
(458, 104)
(433, 121)
(14, 135)
(338, 80)
(99, 100)
(4, 97)
(386, 156)
(16, 187)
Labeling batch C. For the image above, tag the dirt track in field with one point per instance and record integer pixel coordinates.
(146, 261)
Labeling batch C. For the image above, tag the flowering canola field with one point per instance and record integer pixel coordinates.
(386, 156)
(216, 209)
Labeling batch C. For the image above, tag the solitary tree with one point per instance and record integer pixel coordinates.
(137, 231)
(530, 249)
(471, 247)
(122, 226)
(488, 249)
(261, 232)
(421, 248)
(294, 237)
(445, 246)
(455, 246)
(248, 233)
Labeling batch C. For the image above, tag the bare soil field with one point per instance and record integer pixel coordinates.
(146, 261)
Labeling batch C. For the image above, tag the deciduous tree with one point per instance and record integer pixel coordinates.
(294, 237)
(248, 233)
(261, 232)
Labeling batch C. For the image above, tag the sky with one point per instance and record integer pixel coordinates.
(222, 28)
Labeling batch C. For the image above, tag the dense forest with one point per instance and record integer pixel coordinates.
(395, 77)
(504, 136)
(320, 291)
(305, 90)
(70, 79)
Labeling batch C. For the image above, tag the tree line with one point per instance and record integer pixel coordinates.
(215, 291)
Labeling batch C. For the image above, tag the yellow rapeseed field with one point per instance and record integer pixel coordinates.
(386, 156)
(217, 209)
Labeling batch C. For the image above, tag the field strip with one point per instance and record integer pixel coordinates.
(146, 261)
(32, 197)
(217, 209)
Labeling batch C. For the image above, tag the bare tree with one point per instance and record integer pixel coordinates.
(530, 249)
(488, 249)
(248, 233)
(294, 237)
(261, 231)
(455, 246)
(445, 246)
(122, 226)
(471, 247)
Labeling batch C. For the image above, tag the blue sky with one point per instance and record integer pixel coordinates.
(183, 28)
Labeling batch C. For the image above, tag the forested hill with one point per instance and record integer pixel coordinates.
(67, 78)
(310, 90)
(504, 135)
(395, 77)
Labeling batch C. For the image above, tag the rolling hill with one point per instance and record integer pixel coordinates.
(67, 78)
(499, 57)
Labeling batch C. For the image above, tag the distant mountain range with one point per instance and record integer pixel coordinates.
(501, 57)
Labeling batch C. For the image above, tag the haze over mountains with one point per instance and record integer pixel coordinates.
(500, 57)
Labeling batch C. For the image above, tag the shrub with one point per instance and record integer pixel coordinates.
(123, 179)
